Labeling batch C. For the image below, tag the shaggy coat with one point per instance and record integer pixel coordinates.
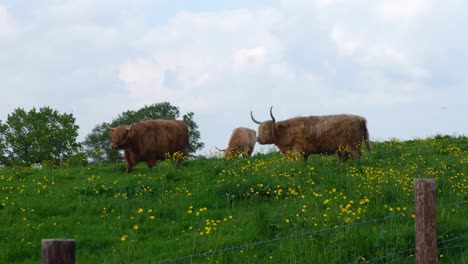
(150, 141)
(341, 134)
(242, 142)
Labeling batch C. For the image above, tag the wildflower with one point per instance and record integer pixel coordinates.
(140, 210)
(135, 227)
(123, 238)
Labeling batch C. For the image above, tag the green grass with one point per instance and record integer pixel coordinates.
(267, 209)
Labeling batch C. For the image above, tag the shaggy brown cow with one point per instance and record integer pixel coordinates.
(242, 142)
(150, 141)
(340, 134)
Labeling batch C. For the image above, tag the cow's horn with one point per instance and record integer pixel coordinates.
(220, 149)
(271, 114)
(253, 119)
(109, 127)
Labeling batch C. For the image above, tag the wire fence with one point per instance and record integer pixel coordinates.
(389, 258)
(406, 253)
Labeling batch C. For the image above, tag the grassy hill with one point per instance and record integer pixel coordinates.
(267, 209)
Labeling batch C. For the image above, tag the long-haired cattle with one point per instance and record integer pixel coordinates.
(150, 141)
(242, 142)
(341, 134)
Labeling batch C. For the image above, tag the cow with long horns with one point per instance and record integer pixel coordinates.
(341, 134)
(150, 141)
(242, 142)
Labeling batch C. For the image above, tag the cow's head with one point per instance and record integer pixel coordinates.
(229, 153)
(266, 130)
(119, 136)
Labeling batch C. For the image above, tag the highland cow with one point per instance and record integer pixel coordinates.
(341, 134)
(150, 141)
(242, 142)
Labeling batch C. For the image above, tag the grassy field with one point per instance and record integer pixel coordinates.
(267, 209)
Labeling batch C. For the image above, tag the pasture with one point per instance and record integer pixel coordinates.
(267, 209)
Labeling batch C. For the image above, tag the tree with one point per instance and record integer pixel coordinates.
(97, 143)
(3, 158)
(38, 136)
(194, 133)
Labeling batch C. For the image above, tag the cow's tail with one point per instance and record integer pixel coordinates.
(190, 148)
(366, 135)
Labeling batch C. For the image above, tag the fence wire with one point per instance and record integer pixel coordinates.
(315, 232)
(410, 251)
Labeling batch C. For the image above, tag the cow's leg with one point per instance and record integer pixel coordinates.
(249, 152)
(128, 165)
(356, 154)
(177, 162)
(151, 163)
(130, 161)
(339, 158)
(356, 151)
(342, 156)
(298, 153)
(245, 152)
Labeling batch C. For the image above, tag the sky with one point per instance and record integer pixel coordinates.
(402, 64)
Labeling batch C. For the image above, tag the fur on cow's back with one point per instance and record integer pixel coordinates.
(242, 136)
(158, 137)
(320, 125)
(316, 134)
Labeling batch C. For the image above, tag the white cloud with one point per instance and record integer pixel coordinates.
(6, 26)
(97, 34)
(402, 11)
(326, 3)
(195, 54)
(377, 54)
(72, 8)
(283, 71)
(345, 44)
(389, 58)
(249, 59)
(147, 81)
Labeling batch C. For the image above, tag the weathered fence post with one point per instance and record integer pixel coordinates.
(58, 251)
(425, 222)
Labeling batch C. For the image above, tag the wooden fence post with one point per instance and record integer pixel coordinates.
(425, 222)
(58, 251)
